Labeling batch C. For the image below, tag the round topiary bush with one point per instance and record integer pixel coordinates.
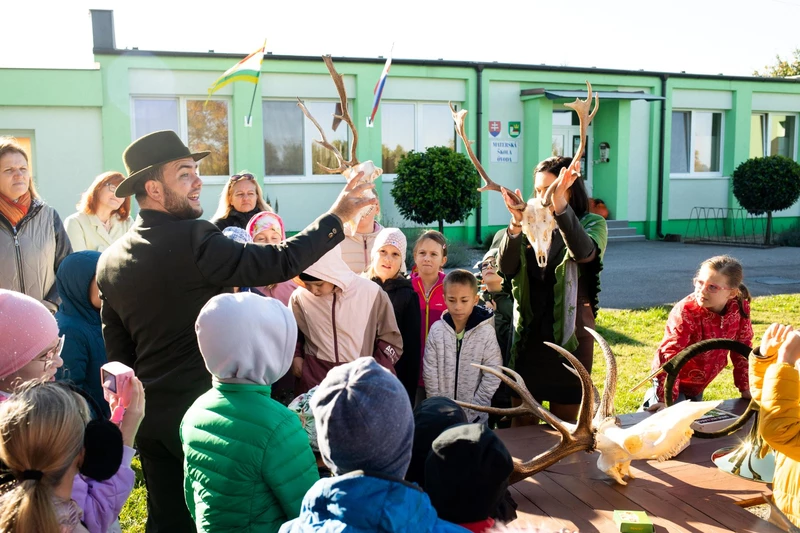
(436, 185)
(767, 184)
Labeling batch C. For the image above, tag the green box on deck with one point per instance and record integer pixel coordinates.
(633, 522)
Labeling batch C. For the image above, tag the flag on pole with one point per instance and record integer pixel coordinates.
(248, 69)
(379, 89)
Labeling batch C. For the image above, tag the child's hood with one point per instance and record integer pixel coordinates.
(479, 316)
(332, 268)
(75, 274)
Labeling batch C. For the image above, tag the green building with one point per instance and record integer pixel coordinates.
(670, 142)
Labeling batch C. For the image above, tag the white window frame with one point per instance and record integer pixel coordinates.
(419, 125)
(768, 128)
(701, 175)
(183, 124)
(310, 133)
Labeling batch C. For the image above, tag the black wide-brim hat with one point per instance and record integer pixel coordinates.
(149, 151)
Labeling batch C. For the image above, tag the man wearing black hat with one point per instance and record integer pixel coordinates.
(156, 278)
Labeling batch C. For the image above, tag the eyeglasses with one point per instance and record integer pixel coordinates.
(111, 187)
(713, 289)
(246, 176)
(489, 263)
(48, 356)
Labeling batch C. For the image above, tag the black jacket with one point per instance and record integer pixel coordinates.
(235, 218)
(155, 280)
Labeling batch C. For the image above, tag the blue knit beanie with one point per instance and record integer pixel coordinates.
(364, 420)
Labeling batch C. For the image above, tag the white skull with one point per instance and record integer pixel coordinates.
(371, 173)
(660, 436)
(538, 224)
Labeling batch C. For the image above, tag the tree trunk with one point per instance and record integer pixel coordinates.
(768, 236)
(441, 226)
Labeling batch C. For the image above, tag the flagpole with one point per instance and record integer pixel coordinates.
(248, 120)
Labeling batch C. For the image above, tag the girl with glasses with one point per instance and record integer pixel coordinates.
(102, 218)
(240, 200)
(719, 308)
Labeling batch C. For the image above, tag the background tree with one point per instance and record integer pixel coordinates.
(436, 185)
(767, 184)
(781, 68)
(208, 130)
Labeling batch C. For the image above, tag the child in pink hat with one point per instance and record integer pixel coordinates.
(267, 228)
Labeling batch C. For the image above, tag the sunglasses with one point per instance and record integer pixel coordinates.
(246, 176)
(489, 263)
(48, 356)
(713, 289)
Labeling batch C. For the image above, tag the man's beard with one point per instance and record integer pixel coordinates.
(179, 206)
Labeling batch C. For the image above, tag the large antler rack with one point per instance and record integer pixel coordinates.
(582, 108)
(344, 164)
(458, 118)
(574, 437)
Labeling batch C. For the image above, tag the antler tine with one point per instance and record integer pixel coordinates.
(587, 405)
(458, 118)
(338, 81)
(610, 388)
(324, 142)
(582, 107)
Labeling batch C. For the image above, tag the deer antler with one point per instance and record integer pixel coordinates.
(344, 164)
(574, 437)
(458, 118)
(581, 107)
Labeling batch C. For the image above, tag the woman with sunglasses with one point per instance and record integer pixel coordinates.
(102, 218)
(719, 308)
(240, 200)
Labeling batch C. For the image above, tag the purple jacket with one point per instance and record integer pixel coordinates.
(102, 501)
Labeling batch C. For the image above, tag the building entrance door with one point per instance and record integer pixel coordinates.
(565, 143)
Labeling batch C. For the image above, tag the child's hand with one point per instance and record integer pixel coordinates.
(656, 407)
(746, 395)
(133, 414)
(297, 367)
(490, 305)
(773, 338)
(789, 351)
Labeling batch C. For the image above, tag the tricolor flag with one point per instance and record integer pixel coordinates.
(248, 69)
(379, 89)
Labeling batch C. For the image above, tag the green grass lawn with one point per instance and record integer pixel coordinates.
(633, 336)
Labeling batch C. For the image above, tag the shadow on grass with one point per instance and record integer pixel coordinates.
(614, 337)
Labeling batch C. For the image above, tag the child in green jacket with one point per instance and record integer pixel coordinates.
(248, 462)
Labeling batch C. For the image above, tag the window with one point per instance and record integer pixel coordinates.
(289, 147)
(203, 126)
(772, 134)
(413, 126)
(696, 143)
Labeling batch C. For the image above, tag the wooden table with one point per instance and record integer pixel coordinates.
(686, 494)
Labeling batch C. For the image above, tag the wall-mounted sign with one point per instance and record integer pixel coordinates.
(494, 128)
(514, 129)
(504, 151)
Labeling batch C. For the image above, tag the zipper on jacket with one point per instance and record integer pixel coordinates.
(335, 337)
(366, 256)
(19, 261)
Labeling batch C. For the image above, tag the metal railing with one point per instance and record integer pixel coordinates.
(726, 225)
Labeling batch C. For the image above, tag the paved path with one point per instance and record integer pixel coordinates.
(650, 273)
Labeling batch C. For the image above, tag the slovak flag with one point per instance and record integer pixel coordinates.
(379, 88)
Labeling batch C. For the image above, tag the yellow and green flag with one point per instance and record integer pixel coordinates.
(248, 69)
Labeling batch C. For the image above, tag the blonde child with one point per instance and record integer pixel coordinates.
(267, 228)
(719, 308)
(465, 335)
(430, 256)
(386, 269)
(775, 385)
(341, 317)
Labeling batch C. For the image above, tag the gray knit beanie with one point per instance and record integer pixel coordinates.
(364, 420)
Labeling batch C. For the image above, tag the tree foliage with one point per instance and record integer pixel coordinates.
(208, 131)
(782, 68)
(436, 185)
(767, 184)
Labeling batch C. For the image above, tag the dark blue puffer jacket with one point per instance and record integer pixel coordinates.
(361, 503)
(84, 351)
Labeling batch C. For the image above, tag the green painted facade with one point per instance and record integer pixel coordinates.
(629, 183)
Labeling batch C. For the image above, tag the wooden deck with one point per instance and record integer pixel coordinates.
(686, 494)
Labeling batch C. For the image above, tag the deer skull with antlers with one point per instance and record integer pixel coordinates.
(349, 168)
(538, 221)
(661, 436)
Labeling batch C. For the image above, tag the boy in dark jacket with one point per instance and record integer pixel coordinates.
(365, 428)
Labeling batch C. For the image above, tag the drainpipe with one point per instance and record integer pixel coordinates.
(660, 203)
(478, 137)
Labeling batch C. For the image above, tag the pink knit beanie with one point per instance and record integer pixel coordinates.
(26, 328)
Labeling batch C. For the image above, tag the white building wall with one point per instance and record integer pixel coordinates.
(504, 105)
(638, 162)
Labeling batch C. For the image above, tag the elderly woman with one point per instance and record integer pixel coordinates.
(102, 218)
(32, 236)
(241, 198)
